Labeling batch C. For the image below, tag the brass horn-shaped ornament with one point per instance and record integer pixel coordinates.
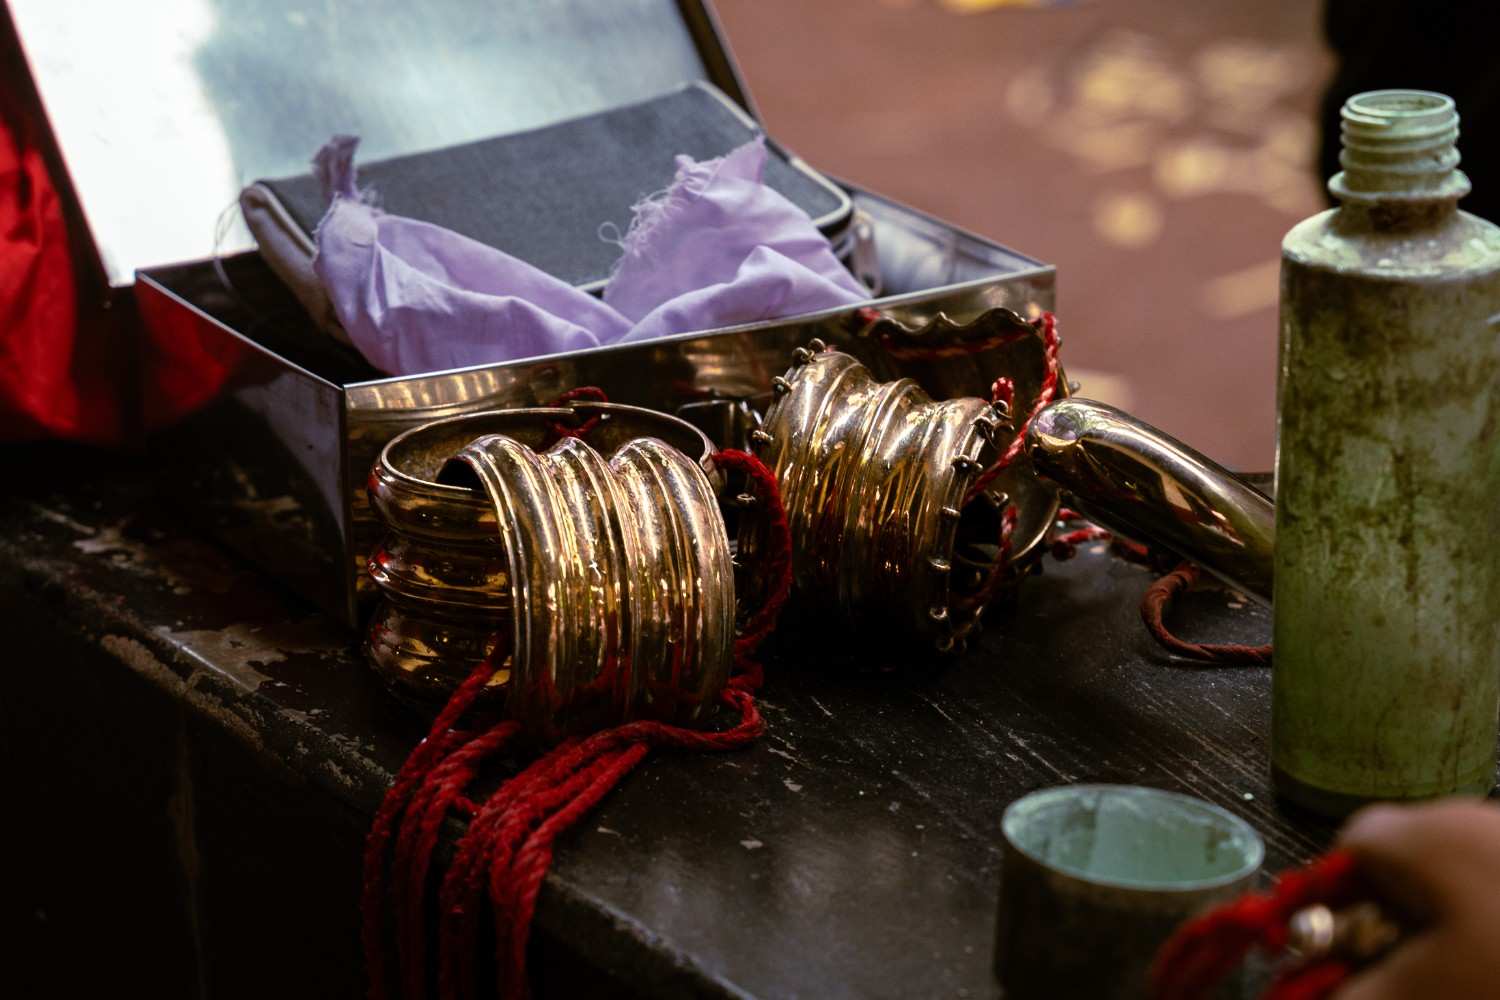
(605, 563)
(889, 533)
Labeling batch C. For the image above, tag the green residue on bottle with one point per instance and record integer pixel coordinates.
(1387, 593)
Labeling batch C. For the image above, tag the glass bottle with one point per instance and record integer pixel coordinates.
(1386, 677)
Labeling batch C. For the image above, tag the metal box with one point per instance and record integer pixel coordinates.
(269, 433)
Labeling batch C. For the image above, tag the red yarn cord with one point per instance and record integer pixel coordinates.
(1065, 545)
(1197, 957)
(776, 558)
(463, 883)
(1158, 601)
(1003, 391)
(592, 392)
(1004, 388)
(516, 905)
(508, 845)
(417, 839)
(439, 742)
(487, 847)
(998, 574)
(530, 810)
(513, 834)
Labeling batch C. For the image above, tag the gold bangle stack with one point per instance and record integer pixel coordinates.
(609, 579)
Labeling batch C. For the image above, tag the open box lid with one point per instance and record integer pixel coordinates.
(163, 111)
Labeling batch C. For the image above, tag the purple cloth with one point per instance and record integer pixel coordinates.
(716, 249)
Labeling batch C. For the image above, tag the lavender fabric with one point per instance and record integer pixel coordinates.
(717, 248)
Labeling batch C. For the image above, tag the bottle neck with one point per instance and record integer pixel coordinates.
(1400, 157)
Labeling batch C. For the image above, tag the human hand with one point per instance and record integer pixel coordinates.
(1438, 865)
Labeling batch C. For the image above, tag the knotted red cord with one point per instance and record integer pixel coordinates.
(508, 845)
(1158, 600)
(1197, 957)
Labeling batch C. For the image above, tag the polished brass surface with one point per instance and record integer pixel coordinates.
(1140, 482)
(445, 567)
(950, 358)
(621, 583)
(874, 477)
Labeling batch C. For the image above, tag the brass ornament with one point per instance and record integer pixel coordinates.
(876, 477)
(610, 578)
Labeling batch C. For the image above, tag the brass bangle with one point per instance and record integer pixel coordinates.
(442, 568)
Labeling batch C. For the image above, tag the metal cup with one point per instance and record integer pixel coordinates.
(1095, 877)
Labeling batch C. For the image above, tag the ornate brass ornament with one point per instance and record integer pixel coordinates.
(610, 578)
(875, 477)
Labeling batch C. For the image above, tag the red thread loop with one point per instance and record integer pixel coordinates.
(1064, 546)
(1201, 952)
(1158, 600)
(998, 573)
(776, 562)
(592, 392)
(1004, 390)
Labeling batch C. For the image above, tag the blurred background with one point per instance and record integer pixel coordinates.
(1154, 151)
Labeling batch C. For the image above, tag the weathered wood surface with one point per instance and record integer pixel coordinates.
(852, 852)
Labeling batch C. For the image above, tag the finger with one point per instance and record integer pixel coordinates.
(1428, 858)
(1428, 966)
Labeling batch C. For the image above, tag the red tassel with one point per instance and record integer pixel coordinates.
(508, 846)
(441, 740)
(1204, 950)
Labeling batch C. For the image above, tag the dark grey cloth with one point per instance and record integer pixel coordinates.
(542, 195)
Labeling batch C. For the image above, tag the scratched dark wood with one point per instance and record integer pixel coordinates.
(853, 852)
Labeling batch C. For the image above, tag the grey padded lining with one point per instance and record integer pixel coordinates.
(542, 195)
